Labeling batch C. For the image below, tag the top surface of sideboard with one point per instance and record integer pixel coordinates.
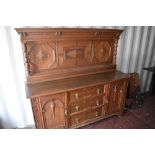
(59, 86)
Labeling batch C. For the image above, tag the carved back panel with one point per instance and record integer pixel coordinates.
(57, 52)
(74, 53)
(103, 51)
(41, 56)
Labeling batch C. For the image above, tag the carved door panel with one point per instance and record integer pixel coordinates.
(102, 51)
(50, 112)
(53, 112)
(115, 96)
(74, 53)
(40, 56)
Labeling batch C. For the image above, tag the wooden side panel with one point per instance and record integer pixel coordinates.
(37, 113)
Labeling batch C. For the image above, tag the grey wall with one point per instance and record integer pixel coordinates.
(136, 50)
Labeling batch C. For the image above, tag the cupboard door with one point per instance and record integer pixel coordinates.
(52, 111)
(115, 96)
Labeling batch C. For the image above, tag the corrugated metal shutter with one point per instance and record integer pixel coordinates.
(136, 50)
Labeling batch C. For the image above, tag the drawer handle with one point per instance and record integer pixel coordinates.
(77, 96)
(97, 33)
(53, 109)
(77, 108)
(58, 33)
(77, 120)
(97, 114)
(98, 91)
(121, 91)
(66, 113)
(97, 103)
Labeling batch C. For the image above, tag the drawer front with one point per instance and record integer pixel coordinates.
(81, 94)
(84, 117)
(86, 104)
(94, 91)
(76, 95)
(95, 102)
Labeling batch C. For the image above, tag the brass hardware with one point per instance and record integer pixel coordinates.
(97, 103)
(77, 120)
(53, 106)
(58, 33)
(97, 33)
(98, 91)
(97, 114)
(65, 112)
(115, 89)
(77, 108)
(121, 91)
(77, 96)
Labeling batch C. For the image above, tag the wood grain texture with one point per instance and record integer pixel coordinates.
(58, 86)
(71, 75)
(67, 51)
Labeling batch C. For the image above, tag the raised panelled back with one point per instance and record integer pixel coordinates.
(51, 52)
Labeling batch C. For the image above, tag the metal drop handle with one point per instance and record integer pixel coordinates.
(52, 107)
(77, 120)
(97, 114)
(77, 96)
(77, 108)
(97, 103)
(98, 91)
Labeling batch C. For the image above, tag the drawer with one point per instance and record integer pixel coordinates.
(86, 104)
(94, 91)
(78, 106)
(85, 93)
(95, 101)
(76, 95)
(84, 117)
